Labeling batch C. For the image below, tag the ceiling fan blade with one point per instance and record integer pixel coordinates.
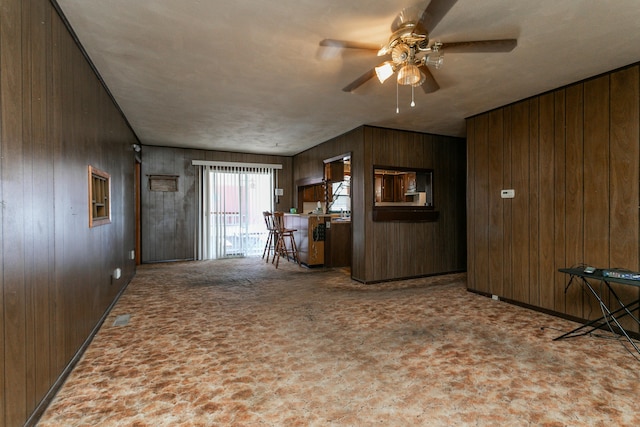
(407, 15)
(480, 46)
(349, 44)
(430, 84)
(360, 81)
(434, 13)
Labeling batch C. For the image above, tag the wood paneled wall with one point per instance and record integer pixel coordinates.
(572, 156)
(169, 218)
(394, 250)
(410, 249)
(309, 164)
(56, 119)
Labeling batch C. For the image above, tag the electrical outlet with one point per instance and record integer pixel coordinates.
(495, 297)
(508, 194)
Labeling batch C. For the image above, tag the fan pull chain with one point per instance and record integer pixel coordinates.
(413, 104)
(397, 105)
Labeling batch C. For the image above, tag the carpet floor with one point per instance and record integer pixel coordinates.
(237, 342)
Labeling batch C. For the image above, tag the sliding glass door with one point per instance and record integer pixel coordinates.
(233, 198)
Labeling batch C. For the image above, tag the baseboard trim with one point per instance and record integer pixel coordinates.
(396, 279)
(632, 334)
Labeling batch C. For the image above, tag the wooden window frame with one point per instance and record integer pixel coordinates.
(99, 188)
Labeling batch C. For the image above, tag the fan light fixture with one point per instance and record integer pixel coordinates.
(409, 75)
(434, 59)
(404, 61)
(384, 71)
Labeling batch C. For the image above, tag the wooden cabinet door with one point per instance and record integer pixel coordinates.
(378, 188)
(388, 185)
(334, 171)
(398, 188)
(309, 194)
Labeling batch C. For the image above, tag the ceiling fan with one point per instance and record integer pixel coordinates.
(412, 51)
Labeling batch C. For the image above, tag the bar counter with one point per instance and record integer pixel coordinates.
(309, 236)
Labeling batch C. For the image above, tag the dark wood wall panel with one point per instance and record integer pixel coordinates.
(449, 234)
(520, 204)
(534, 203)
(480, 184)
(9, 67)
(547, 167)
(560, 205)
(573, 158)
(459, 216)
(471, 203)
(507, 246)
(624, 174)
(596, 185)
(55, 271)
(41, 188)
(360, 228)
(14, 310)
(495, 204)
(574, 190)
(169, 218)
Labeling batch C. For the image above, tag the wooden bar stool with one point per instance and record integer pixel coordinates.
(285, 242)
(271, 238)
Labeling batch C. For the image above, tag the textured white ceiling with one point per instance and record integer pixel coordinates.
(249, 76)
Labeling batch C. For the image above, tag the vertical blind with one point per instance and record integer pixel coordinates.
(231, 199)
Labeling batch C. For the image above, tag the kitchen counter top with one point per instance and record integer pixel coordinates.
(308, 214)
(334, 217)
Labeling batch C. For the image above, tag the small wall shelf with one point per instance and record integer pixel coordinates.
(405, 214)
(99, 197)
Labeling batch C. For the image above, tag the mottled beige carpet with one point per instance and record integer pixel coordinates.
(237, 342)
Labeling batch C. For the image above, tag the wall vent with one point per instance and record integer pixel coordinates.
(163, 183)
(122, 320)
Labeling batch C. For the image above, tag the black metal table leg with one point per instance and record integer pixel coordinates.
(608, 317)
